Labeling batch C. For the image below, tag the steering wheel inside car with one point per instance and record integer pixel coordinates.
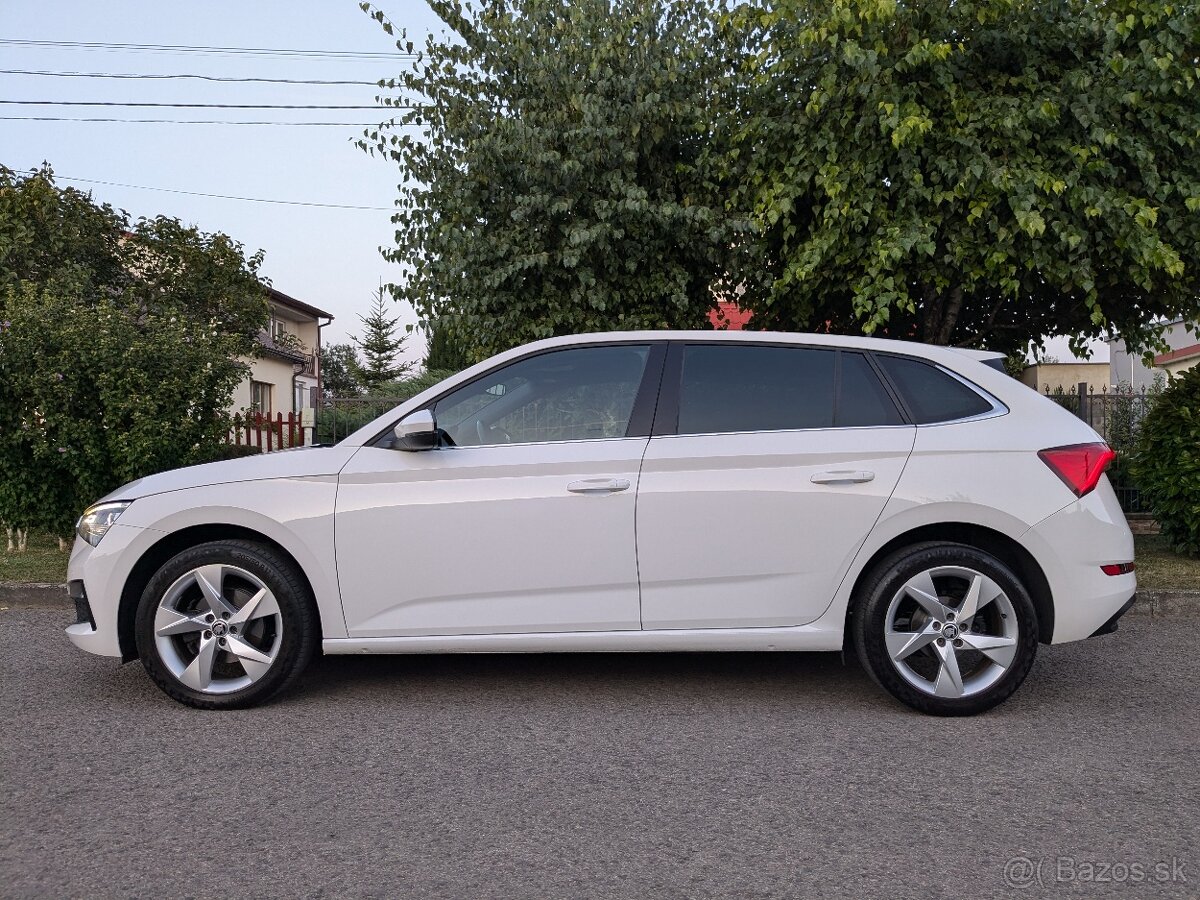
(487, 434)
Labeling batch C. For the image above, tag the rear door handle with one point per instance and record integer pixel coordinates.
(598, 486)
(842, 477)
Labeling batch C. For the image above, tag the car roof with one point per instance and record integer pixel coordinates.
(952, 358)
(811, 339)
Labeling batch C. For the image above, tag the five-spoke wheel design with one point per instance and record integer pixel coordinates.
(951, 631)
(947, 628)
(218, 629)
(226, 624)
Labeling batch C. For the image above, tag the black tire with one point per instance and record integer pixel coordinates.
(297, 639)
(869, 625)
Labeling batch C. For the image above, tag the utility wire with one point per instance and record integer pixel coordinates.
(142, 187)
(198, 105)
(179, 48)
(198, 77)
(197, 121)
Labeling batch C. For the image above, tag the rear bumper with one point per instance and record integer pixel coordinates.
(1071, 545)
(1111, 625)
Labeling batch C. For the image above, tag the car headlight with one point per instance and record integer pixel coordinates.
(96, 520)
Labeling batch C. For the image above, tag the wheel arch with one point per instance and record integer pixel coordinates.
(168, 546)
(1004, 548)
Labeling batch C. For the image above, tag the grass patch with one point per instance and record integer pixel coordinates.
(1158, 568)
(42, 561)
(1161, 569)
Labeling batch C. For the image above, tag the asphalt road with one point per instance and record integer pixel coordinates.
(600, 776)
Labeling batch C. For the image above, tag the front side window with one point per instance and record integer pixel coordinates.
(584, 393)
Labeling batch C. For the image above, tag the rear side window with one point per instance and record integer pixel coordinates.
(862, 400)
(731, 388)
(931, 394)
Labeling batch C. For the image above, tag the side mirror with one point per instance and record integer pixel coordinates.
(416, 431)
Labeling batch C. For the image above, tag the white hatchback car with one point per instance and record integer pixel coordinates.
(635, 491)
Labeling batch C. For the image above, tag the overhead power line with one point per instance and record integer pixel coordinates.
(130, 75)
(221, 51)
(142, 187)
(194, 121)
(198, 105)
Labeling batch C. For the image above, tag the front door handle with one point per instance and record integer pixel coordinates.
(842, 477)
(598, 486)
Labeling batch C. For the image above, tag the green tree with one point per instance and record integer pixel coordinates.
(341, 370)
(380, 346)
(971, 172)
(560, 177)
(118, 346)
(446, 353)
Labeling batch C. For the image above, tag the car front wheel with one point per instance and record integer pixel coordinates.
(226, 624)
(946, 628)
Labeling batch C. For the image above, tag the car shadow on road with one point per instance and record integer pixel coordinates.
(713, 675)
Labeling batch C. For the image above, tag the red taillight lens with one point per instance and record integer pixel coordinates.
(1080, 465)
(1118, 568)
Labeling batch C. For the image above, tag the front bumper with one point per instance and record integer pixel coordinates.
(83, 610)
(95, 579)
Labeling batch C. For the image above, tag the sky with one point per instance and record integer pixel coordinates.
(326, 257)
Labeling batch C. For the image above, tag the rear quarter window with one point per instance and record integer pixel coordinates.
(931, 394)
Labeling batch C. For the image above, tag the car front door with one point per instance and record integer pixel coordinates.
(769, 466)
(523, 521)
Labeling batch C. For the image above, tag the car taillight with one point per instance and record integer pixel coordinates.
(1118, 568)
(1080, 465)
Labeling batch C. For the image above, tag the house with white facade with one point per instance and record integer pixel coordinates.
(1127, 368)
(285, 376)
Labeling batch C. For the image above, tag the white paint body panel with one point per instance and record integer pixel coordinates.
(488, 539)
(484, 550)
(733, 533)
(1071, 545)
(287, 496)
(801, 638)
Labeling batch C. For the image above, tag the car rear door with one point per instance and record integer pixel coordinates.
(768, 467)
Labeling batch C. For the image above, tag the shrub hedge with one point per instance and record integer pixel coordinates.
(1166, 462)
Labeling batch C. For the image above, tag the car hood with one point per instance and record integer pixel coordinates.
(301, 462)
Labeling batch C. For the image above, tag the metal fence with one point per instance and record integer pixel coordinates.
(1116, 414)
(342, 415)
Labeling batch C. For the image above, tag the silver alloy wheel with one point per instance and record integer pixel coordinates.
(218, 629)
(951, 632)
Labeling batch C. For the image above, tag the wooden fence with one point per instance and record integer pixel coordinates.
(267, 433)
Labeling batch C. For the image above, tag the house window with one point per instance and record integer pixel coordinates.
(260, 397)
(278, 330)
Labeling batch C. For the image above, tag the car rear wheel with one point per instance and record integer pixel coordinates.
(226, 624)
(946, 628)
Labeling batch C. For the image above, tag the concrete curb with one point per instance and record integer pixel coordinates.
(1154, 604)
(1166, 604)
(16, 593)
